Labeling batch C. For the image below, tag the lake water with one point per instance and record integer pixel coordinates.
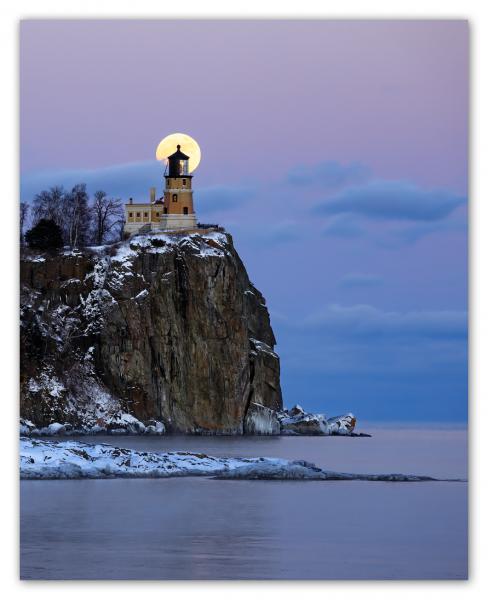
(199, 528)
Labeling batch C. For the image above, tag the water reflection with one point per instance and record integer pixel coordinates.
(197, 528)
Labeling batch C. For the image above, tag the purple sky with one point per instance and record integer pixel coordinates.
(335, 152)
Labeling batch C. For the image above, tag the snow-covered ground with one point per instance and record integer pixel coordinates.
(201, 244)
(42, 459)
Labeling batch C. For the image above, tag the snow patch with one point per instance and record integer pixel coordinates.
(142, 295)
(263, 347)
(48, 383)
(36, 259)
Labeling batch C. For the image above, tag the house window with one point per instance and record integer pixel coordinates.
(175, 198)
(165, 211)
(138, 214)
(185, 210)
(146, 215)
(184, 181)
(131, 215)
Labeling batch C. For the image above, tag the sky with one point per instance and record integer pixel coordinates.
(334, 152)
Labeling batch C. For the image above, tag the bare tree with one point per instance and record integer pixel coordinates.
(76, 216)
(24, 215)
(107, 215)
(49, 204)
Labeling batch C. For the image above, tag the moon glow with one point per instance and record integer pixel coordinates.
(167, 146)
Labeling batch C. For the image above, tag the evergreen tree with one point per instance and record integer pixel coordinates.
(46, 235)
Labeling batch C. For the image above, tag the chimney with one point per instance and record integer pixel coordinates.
(130, 200)
(153, 195)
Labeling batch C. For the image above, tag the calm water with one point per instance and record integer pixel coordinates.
(197, 528)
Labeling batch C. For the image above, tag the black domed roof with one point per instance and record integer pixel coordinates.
(178, 155)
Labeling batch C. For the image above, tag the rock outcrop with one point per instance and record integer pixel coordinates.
(296, 421)
(41, 459)
(161, 329)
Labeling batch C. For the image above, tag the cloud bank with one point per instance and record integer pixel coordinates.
(392, 200)
(328, 175)
(353, 280)
(365, 321)
(122, 181)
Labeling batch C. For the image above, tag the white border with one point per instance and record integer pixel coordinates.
(473, 10)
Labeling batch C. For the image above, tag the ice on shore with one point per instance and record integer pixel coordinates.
(42, 459)
(261, 420)
(119, 424)
(297, 421)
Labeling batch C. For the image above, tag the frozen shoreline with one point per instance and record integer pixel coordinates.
(42, 459)
(260, 420)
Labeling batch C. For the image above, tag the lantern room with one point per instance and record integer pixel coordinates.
(177, 165)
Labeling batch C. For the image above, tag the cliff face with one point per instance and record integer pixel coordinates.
(165, 328)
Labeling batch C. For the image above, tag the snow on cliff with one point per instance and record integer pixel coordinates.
(162, 327)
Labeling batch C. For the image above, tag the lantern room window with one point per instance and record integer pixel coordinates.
(183, 167)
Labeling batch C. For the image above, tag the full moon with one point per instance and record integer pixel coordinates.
(188, 146)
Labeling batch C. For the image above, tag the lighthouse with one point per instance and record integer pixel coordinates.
(178, 211)
(174, 209)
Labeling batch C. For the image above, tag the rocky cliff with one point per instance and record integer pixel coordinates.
(159, 328)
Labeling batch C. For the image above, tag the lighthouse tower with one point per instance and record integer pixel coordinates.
(178, 212)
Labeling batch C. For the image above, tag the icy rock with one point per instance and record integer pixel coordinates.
(296, 410)
(26, 427)
(343, 425)
(155, 428)
(42, 459)
(298, 422)
(261, 420)
(130, 424)
(124, 424)
(53, 429)
(295, 470)
(301, 470)
(96, 430)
